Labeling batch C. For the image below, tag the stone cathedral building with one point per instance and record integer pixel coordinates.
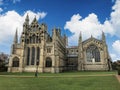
(52, 53)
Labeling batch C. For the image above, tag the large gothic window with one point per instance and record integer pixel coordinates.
(33, 56)
(28, 55)
(48, 62)
(15, 62)
(93, 54)
(38, 54)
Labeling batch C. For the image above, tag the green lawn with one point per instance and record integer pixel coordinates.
(82, 82)
(61, 74)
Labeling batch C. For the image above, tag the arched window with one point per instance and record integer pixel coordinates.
(33, 56)
(15, 62)
(28, 55)
(48, 62)
(38, 54)
(92, 53)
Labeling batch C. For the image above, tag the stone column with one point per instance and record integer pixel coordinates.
(41, 60)
(53, 65)
(35, 56)
(30, 55)
(10, 65)
(58, 64)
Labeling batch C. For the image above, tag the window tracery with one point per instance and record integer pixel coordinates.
(93, 54)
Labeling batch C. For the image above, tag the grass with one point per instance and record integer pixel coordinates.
(61, 74)
(83, 82)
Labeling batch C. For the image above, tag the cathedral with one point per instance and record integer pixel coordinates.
(37, 49)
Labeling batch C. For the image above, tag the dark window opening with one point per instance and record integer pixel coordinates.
(48, 62)
(15, 62)
(28, 55)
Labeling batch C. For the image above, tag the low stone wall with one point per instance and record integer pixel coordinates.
(95, 67)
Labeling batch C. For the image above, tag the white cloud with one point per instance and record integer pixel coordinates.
(38, 15)
(116, 49)
(114, 57)
(1, 10)
(90, 25)
(116, 46)
(12, 20)
(115, 18)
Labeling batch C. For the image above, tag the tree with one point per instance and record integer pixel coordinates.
(118, 67)
(114, 65)
(3, 61)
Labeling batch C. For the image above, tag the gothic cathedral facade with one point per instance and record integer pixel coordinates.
(37, 48)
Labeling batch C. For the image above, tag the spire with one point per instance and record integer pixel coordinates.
(80, 37)
(27, 18)
(35, 19)
(91, 36)
(103, 37)
(16, 37)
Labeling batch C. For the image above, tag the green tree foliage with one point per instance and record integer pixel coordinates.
(115, 65)
(3, 62)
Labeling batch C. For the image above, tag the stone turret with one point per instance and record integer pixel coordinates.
(54, 33)
(65, 40)
(15, 38)
(27, 19)
(80, 38)
(80, 54)
(103, 37)
(26, 24)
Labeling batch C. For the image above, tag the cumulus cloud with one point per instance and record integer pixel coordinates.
(116, 50)
(91, 25)
(12, 20)
(38, 15)
(88, 26)
(116, 46)
(115, 18)
(114, 57)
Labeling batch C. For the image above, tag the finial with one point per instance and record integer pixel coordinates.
(27, 17)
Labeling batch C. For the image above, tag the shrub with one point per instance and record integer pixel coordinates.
(119, 70)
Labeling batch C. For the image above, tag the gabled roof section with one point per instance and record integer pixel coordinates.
(92, 39)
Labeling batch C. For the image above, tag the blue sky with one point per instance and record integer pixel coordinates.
(72, 16)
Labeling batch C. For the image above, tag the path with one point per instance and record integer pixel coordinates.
(118, 77)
